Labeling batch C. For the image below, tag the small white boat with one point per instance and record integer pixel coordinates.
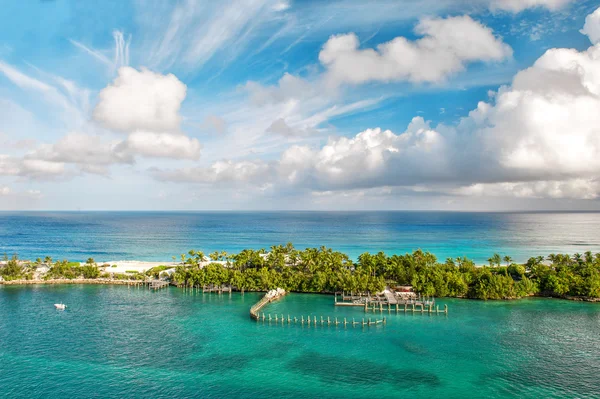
(60, 306)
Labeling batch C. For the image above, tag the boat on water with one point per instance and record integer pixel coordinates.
(60, 306)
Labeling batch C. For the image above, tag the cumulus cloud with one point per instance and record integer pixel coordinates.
(371, 158)
(31, 168)
(41, 169)
(538, 137)
(81, 148)
(146, 105)
(592, 27)
(520, 5)
(446, 47)
(151, 144)
(141, 100)
(82, 153)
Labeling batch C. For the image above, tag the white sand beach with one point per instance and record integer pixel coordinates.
(123, 266)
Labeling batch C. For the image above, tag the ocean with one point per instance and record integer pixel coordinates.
(157, 236)
(125, 342)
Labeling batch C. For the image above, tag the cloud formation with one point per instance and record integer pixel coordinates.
(221, 172)
(141, 100)
(520, 5)
(159, 145)
(79, 148)
(446, 47)
(592, 27)
(538, 137)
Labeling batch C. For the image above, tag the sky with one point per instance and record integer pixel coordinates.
(468, 105)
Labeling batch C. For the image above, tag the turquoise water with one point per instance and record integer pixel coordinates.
(157, 236)
(117, 342)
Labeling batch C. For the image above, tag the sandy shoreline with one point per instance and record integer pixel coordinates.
(123, 266)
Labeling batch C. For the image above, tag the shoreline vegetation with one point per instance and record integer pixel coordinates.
(323, 270)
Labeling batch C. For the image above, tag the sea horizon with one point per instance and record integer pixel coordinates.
(300, 199)
(160, 235)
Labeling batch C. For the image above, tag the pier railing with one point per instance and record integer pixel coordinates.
(313, 321)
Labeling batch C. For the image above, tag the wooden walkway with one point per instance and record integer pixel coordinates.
(391, 298)
(269, 297)
(308, 321)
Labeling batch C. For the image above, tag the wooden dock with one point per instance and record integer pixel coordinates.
(219, 289)
(269, 297)
(157, 284)
(389, 302)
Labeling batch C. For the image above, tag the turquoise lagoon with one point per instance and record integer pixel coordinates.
(117, 342)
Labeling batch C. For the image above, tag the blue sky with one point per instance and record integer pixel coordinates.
(282, 104)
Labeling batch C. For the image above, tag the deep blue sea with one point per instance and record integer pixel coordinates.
(157, 236)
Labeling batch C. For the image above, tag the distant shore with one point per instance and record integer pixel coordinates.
(105, 281)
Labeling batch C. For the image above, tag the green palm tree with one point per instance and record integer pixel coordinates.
(508, 260)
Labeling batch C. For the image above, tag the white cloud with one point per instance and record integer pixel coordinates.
(41, 169)
(221, 172)
(5, 191)
(446, 47)
(162, 145)
(538, 137)
(520, 5)
(31, 168)
(592, 27)
(371, 158)
(19, 144)
(8, 165)
(82, 149)
(571, 189)
(141, 100)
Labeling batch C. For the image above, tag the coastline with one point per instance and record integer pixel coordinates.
(104, 281)
(91, 281)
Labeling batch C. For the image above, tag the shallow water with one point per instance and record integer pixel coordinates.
(115, 341)
(157, 236)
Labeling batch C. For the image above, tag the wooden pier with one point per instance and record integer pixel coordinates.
(219, 289)
(389, 302)
(309, 320)
(269, 297)
(157, 284)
